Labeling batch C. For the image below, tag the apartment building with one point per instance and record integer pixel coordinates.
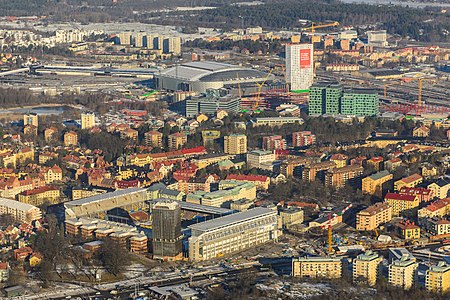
(408, 230)
(317, 267)
(87, 120)
(401, 202)
(440, 188)
(235, 144)
(31, 119)
(153, 139)
(437, 278)
(339, 177)
(366, 267)
(22, 212)
(303, 138)
(176, 141)
(377, 183)
(402, 273)
(260, 159)
(70, 139)
(410, 181)
(425, 195)
(373, 216)
(41, 195)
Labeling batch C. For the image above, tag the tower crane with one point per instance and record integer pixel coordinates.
(313, 28)
(260, 86)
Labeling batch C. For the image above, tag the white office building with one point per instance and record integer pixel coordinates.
(299, 66)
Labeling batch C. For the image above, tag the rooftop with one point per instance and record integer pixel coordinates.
(231, 219)
(403, 197)
(211, 71)
(379, 175)
(15, 204)
(105, 196)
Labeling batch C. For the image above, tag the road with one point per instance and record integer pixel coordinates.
(125, 288)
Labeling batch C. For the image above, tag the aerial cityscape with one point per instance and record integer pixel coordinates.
(270, 149)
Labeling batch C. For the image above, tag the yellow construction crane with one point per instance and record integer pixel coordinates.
(260, 86)
(313, 26)
(419, 88)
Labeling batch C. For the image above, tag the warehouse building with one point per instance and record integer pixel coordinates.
(233, 233)
(200, 76)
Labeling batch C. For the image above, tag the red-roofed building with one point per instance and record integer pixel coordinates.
(410, 181)
(125, 184)
(438, 208)
(401, 202)
(375, 162)
(299, 204)
(186, 172)
(40, 195)
(261, 182)
(408, 230)
(425, 195)
(359, 160)
(22, 253)
(392, 164)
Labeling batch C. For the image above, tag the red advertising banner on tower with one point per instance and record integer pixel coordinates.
(305, 58)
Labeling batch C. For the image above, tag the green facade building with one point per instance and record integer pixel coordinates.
(331, 99)
(359, 103)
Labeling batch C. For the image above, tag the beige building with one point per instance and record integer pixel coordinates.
(317, 267)
(365, 266)
(30, 119)
(375, 184)
(291, 216)
(176, 141)
(153, 139)
(402, 273)
(437, 278)
(235, 144)
(440, 188)
(260, 159)
(87, 120)
(401, 202)
(373, 216)
(50, 133)
(70, 138)
(410, 181)
(233, 233)
(22, 212)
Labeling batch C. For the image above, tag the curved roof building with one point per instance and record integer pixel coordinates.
(202, 75)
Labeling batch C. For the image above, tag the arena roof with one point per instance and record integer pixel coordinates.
(231, 219)
(104, 196)
(209, 71)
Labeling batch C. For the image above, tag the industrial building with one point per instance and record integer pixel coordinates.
(167, 237)
(202, 76)
(232, 233)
